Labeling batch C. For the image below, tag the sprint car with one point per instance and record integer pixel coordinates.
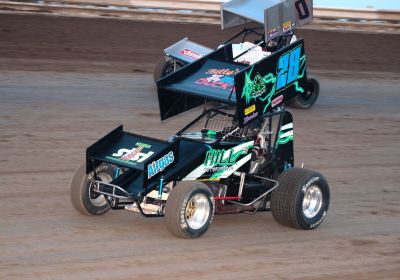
(279, 20)
(236, 157)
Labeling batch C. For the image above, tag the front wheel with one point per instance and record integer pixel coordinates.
(306, 99)
(189, 210)
(83, 198)
(301, 199)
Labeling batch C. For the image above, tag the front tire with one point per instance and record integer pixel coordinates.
(189, 210)
(83, 198)
(306, 99)
(301, 199)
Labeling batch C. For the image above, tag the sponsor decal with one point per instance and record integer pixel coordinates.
(290, 68)
(221, 163)
(219, 78)
(248, 62)
(277, 101)
(288, 25)
(134, 155)
(221, 157)
(215, 78)
(219, 169)
(273, 33)
(214, 84)
(250, 109)
(192, 54)
(309, 183)
(251, 117)
(159, 165)
(314, 225)
(223, 72)
(144, 145)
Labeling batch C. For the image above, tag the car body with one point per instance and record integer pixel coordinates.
(272, 27)
(236, 157)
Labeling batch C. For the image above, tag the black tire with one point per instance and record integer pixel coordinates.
(177, 209)
(307, 99)
(287, 200)
(82, 198)
(165, 66)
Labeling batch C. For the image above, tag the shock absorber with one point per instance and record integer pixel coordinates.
(257, 155)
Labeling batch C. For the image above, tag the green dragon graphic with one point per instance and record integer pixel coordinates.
(252, 87)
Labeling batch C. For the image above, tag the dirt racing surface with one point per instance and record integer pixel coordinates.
(101, 45)
(49, 117)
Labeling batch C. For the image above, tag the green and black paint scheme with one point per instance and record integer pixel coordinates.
(271, 82)
(255, 92)
(265, 85)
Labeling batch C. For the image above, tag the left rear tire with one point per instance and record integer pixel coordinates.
(166, 66)
(82, 196)
(306, 99)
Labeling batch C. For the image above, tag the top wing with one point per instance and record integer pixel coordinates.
(255, 90)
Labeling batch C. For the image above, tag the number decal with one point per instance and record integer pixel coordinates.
(283, 66)
(288, 68)
(294, 65)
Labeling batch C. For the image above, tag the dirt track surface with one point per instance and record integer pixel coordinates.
(101, 45)
(47, 119)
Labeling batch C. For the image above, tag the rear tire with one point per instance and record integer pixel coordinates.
(301, 199)
(189, 210)
(306, 99)
(82, 198)
(165, 66)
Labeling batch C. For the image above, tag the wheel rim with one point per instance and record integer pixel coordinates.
(312, 202)
(95, 198)
(197, 211)
(171, 68)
